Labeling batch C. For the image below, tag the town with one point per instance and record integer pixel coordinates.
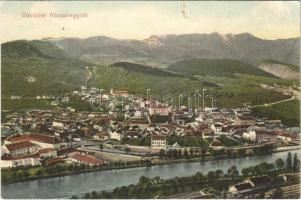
(123, 130)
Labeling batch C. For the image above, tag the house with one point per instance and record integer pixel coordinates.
(101, 136)
(21, 148)
(216, 145)
(85, 159)
(53, 161)
(48, 152)
(251, 187)
(44, 141)
(259, 182)
(245, 120)
(217, 127)
(158, 142)
(121, 93)
(9, 161)
(159, 110)
(249, 135)
(116, 135)
(265, 136)
(240, 190)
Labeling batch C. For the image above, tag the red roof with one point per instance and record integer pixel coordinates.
(87, 159)
(34, 137)
(10, 157)
(47, 150)
(158, 137)
(19, 145)
(216, 143)
(54, 161)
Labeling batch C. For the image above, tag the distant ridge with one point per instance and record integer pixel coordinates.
(162, 50)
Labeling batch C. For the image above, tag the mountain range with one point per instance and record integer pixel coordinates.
(162, 50)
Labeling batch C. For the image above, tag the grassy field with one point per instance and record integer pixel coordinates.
(288, 112)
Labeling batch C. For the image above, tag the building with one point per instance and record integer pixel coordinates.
(85, 159)
(265, 136)
(245, 120)
(217, 127)
(240, 190)
(49, 152)
(159, 110)
(116, 135)
(21, 148)
(216, 145)
(44, 141)
(158, 141)
(251, 187)
(9, 161)
(122, 93)
(259, 182)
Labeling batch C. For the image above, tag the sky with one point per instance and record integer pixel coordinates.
(140, 20)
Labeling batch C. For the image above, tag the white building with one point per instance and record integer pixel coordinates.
(158, 142)
(116, 135)
(9, 161)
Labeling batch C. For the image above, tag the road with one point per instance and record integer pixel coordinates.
(273, 103)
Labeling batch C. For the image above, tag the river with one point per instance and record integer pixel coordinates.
(67, 186)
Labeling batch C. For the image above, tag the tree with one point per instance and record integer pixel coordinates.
(39, 173)
(296, 162)
(245, 171)
(175, 153)
(211, 176)
(161, 153)
(186, 154)
(101, 146)
(241, 152)
(203, 151)
(289, 164)
(279, 164)
(93, 195)
(127, 150)
(233, 172)
(219, 173)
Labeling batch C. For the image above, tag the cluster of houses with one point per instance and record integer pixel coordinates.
(129, 116)
(30, 149)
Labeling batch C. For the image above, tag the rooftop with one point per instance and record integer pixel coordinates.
(19, 145)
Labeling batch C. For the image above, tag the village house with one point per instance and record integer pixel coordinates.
(48, 152)
(21, 148)
(85, 159)
(102, 136)
(217, 127)
(250, 187)
(9, 161)
(245, 120)
(158, 141)
(159, 110)
(116, 135)
(121, 93)
(44, 141)
(265, 136)
(216, 145)
(240, 190)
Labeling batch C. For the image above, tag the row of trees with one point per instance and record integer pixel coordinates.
(218, 179)
(279, 164)
(201, 152)
(157, 187)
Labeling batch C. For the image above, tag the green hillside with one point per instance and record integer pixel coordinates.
(31, 68)
(133, 67)
(215, 67)
(35, 67)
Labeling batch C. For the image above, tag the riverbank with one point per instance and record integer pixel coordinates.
(66, 186)
(145, 164)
